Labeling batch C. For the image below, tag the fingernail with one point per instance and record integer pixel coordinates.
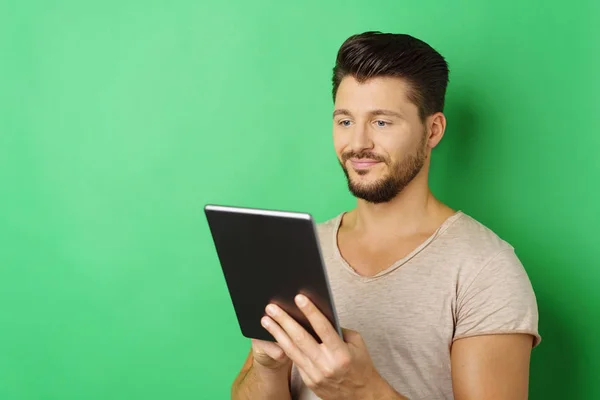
(301, 300)
(264, 321)
(271, 309)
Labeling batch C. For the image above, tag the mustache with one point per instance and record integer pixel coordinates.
(362, 154)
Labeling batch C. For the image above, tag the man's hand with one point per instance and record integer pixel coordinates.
(265, 374)
(335, 369)
(269, 355)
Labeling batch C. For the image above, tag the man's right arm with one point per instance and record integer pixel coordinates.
(256, 381)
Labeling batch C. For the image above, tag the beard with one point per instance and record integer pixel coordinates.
(385, 189)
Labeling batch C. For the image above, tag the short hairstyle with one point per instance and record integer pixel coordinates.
(376, 54)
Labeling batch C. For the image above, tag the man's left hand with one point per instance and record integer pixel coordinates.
(334, 369)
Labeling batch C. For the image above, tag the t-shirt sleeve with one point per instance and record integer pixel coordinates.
(499, 299)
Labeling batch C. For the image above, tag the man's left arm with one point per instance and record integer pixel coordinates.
(496, 329)
(487, 367)
(491, 367)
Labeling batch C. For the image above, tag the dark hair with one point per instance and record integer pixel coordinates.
(374, 54)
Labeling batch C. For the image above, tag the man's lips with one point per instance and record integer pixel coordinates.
(363, 163)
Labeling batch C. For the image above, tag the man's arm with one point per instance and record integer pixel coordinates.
(259, 382)
(491, 367)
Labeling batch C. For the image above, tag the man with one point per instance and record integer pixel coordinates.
(434, 304)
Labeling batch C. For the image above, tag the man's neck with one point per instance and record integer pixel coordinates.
(413, 211)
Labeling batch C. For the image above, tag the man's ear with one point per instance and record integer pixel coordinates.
(436, 124)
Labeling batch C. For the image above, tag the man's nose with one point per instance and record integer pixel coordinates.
(361, 138)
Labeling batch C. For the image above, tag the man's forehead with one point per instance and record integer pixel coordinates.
(375, 83)
(378, 91)
(372, 95)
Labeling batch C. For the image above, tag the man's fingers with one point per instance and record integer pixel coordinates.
(319, 322)
(284, 341)
(299, 336)
(270, 349)
(306, 366)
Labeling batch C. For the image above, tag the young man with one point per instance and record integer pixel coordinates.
(434, 304)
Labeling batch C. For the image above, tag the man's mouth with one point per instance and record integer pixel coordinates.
(363, 163)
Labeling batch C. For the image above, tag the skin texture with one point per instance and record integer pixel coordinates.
(384, 149)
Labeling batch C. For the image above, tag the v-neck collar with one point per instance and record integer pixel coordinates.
(338, 255)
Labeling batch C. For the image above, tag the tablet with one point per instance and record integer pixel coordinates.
(270, 256)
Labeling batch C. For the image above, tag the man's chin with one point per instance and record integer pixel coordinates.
(372, 197)
(365, 190)
(373, 190)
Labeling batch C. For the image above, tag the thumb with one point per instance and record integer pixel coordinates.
(351, 336)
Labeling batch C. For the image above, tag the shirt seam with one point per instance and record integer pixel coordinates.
(531, 332)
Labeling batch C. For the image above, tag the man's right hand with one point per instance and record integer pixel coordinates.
(265, 374)
(269, 355)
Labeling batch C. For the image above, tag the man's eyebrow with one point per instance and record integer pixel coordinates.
(381, 111)
(388, 113)
(341, 111)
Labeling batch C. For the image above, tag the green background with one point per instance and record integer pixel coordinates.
(119, 120)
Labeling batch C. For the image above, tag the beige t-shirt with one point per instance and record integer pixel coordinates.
(462, 281)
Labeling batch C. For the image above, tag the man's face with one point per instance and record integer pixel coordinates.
(378, 137)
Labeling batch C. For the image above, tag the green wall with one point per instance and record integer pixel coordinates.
(119, 120)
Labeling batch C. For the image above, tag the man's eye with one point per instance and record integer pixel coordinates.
(345, 122)
(381, 124)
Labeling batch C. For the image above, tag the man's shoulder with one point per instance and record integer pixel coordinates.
(328, 222)
(325, 232)
(461, 227)
(461, 235)
(470, 238)
(326, 226)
